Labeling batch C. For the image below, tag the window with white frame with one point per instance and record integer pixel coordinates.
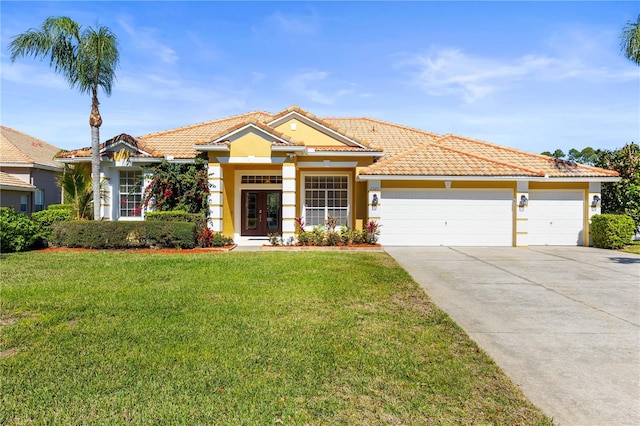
(38, 200)
(130, 193)
(326, 196)
(24, 207)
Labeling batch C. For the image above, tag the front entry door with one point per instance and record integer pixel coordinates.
(261, 213)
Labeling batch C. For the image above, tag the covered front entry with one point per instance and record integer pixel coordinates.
(261, 212)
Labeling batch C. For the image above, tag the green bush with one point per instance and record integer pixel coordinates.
(17, 231)
(44, 219)
(612, 231)
(121, 235)
(60, 207)
(203, 235)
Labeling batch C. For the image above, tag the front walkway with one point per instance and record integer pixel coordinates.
(562, 322)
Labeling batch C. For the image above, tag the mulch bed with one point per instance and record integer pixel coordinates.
(143, 251)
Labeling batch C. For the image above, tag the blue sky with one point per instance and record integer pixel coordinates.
(531, 75)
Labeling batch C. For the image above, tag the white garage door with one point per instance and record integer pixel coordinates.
(556, 218)
(447, 217)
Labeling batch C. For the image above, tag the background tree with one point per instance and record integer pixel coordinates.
(630, 41)
(623, 196)
(87, 59)
(555, 154)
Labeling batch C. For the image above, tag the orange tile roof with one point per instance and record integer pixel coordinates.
(546, 165)
(256, 123)
(433, 160)
(407, 151)
(393, 139)
(324, 122)
(11, 182)
(19, 148)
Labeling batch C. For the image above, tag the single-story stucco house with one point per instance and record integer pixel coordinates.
(423, 188)
(28, 172)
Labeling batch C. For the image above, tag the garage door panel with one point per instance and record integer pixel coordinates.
(451, 217)
(556, 217)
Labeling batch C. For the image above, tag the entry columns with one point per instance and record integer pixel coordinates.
(214, 221)
(288, 200)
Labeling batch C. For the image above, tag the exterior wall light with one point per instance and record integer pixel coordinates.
(596, 201)
(374, 202)
(523, 201)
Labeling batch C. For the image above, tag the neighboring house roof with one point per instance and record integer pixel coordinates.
(407, 151)
(12, 183)
(17, 148)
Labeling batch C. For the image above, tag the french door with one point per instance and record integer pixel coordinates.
(261, 212)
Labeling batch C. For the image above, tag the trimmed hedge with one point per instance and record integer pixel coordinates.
(17, 231)
(123, 235)
(174, 216)
(612, 231)
(45, 219)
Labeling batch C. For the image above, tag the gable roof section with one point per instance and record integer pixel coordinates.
(12, 183)
(140, 149)
(321, 125)
(548, 166)
(433, 160)
(223, 137)
(180, 142)
(21, 149)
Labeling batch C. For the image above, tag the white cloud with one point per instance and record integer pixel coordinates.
(450, 71)
(146, 39)
(294, 24)
(35, 75)
(314, 86)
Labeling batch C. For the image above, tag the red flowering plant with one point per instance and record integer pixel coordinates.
(178, 186)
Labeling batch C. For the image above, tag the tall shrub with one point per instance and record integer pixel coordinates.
(612, 231)
(17, 231)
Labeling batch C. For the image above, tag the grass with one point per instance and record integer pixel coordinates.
(634, 248)
(237, 338)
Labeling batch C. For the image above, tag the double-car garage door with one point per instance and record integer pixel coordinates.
(457, 217)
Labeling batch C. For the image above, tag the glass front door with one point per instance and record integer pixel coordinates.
(261, 212)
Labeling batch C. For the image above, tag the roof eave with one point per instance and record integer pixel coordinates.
(366, 177)
(312, 153)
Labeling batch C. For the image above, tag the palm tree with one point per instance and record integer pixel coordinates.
(87, 59)
(75, 182)
(630, 41)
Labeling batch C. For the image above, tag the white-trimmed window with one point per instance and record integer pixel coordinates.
(24, 204)
(38, 200)
(324, 196)
(130, 193)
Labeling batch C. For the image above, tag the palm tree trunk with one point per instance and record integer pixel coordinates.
(95, 121)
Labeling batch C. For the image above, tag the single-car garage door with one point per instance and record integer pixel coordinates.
(451, 217)
(556, 218)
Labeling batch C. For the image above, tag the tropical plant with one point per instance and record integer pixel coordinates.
(87, 59)
(178, 187)
(623, 196)
(630, 41)
(75, 182)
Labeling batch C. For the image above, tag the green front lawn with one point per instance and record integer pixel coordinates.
(237, 338)
(634, 248)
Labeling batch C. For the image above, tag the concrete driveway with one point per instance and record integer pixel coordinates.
(562, 322)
